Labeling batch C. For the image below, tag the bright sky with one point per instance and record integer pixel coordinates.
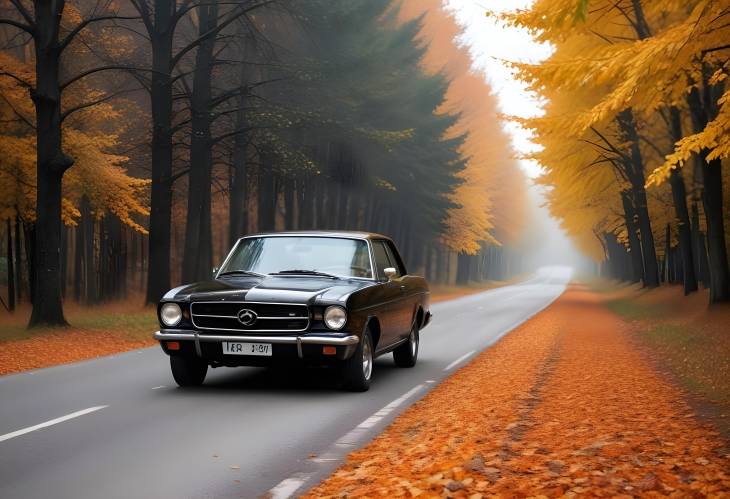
(490, 44)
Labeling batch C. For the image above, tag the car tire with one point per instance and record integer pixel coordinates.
(406, 355)
(358, 369)
(188, 371)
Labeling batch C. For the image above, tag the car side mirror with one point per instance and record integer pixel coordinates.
(215, 271)
(390, 273)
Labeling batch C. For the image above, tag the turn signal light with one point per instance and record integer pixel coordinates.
(329, 350)
(173, 345)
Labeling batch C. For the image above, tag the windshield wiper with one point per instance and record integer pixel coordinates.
(240, 272)
(305, 272)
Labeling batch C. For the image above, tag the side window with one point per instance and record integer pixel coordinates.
(380, 253)
(395, 260)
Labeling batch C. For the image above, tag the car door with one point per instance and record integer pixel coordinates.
(404, 306)
(389, 295)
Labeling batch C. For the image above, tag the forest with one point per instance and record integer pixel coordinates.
(141, 138)
(636, 134)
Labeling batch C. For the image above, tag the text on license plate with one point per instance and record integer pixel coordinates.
(238, 348)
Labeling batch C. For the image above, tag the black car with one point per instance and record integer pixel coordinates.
(314, 298)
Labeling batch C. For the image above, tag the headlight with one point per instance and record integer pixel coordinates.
(335, 317)
(170, 314)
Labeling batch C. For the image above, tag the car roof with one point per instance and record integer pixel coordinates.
(348, 234)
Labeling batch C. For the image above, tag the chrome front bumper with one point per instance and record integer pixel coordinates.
(298, 340)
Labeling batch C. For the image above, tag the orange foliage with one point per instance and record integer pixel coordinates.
(493, 195)
(584, 413)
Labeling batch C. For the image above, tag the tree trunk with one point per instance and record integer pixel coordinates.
(700, 250)
(288, 204)
(679, 197)
(637, 262)
(266, 195)
(29, 239)
(64, 259)
(666, 275)
(158, 275)
(238, 217)
(11, 270)
(51, 164)
(18, 261)
(87, 224)
(198, 252)
(635, 168)
(78, 263)
(712, 200)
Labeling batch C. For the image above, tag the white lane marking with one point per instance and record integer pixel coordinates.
(288, 486)
(459, 360)
(430, 381)
(52, 422)
(361, 429)
(158, 387)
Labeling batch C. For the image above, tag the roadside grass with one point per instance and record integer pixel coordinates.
(93, 331)
(127, 320)
(699, 357)
(634, 310)
(687, 338)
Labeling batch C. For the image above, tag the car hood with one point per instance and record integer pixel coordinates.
(309, 290)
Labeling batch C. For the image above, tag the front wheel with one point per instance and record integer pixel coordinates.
(188, 371)
(358, 369)
(406, 355)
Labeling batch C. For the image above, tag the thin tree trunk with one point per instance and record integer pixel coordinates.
(238, 218)
(637, 262)
(635, 168)
(266, 196)
(64, 259)
(18, 260)
(29, 234)
(712, 201)
(288, 204)
(87, 223)
(667, 268)
(159, 241)
(679, 197)
(78, 263)
(11, 270)
(198, 251)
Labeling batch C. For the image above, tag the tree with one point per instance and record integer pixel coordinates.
(51, 39)
(649, 59)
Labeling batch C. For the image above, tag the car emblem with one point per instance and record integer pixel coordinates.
(247, 317)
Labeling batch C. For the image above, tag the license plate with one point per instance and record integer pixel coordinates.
(238, 348)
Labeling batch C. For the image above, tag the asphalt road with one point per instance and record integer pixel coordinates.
(118, 426)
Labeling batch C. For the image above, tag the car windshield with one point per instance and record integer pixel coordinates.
(301, 255)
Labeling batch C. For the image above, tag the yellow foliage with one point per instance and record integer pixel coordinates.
(97, 173)
(610, 57)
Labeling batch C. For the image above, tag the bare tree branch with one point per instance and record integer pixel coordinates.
(217, 29)
(24, 12)
(25, 27)
(83, 24)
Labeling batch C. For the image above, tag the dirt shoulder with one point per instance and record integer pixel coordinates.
(94, 332)
(563, 405)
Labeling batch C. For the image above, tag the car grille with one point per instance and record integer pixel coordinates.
(269, 317)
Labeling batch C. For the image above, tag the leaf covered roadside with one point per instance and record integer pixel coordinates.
(563, 405)
(103, 330)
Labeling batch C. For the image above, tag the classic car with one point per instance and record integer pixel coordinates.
(336, 299)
